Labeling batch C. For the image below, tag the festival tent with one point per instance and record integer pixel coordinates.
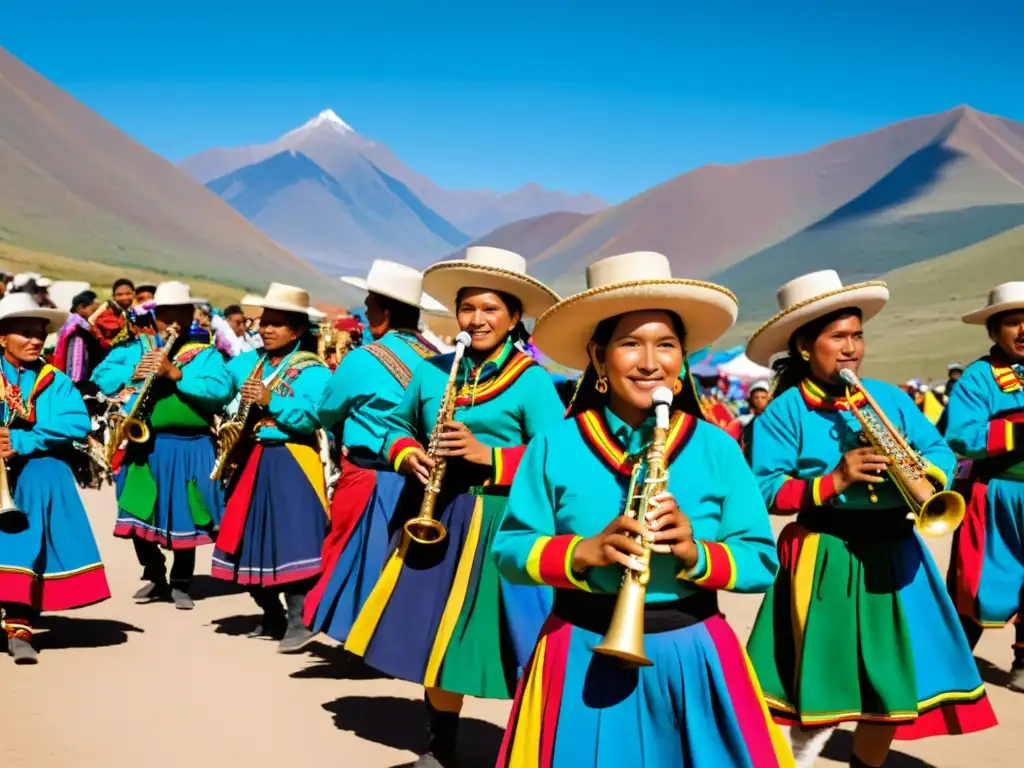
(745, 369)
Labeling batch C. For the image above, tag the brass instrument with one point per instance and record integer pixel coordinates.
(424, 529)
(936, 511)
(133, 426)
(8, 509)
(230, 431)
(625, 637)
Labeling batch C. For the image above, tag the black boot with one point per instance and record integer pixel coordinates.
(443, 730)
(296, 636)
(273, 623)
(1016, 682)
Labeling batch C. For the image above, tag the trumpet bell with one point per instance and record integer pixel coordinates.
(135, 430)
(624, 639)
(941, 514)
(425, 530)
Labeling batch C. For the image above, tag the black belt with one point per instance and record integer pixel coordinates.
(854, 525)
(594, 612)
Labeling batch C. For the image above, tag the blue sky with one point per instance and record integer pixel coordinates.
(605, 97)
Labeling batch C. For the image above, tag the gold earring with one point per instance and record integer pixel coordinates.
(677, 387)
(601, 385)
(805, 355)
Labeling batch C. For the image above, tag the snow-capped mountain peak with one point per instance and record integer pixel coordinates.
(328, 118)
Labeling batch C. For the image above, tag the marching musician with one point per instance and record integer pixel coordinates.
(109, 320)
(858, 596)
(698, 706)
(166, 498)
(369, 382)
(78, 350)
(985, 423)
(48, 555)
(276, 516)
(440, 615)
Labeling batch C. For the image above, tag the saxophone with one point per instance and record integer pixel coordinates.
(625, 637)
(230, 431)
(424, 529)
(133, 426)
(936, 511)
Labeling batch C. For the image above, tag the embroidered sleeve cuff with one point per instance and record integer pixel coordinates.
(505, 462)
(550, 562)
(715, 568)
(400, 449)
(796, 495)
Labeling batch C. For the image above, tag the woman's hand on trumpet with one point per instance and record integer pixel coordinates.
(6, 448)
(615, 544)
(158, 363)
(255, 392)
(416, 464)
(861, 465)
(673, 533)
(457, 440)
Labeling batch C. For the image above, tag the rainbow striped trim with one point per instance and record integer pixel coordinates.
(1006, 378)
(550, 562)
(796, 495)
(596, 434)
(1004, 435)
(492, 388)
(506, 463)
(400, 449)
(817, 399)
(715, 568)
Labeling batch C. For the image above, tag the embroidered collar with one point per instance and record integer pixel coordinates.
(472, 376)
(416, 341)
(15, 406)
(1009, 376)
(513, 366)
(619, 446)
(817, 399)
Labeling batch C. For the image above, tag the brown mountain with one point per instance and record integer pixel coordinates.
(865, 205)
(73, 184)
(531, 237)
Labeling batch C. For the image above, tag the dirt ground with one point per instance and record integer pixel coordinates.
(120, 684)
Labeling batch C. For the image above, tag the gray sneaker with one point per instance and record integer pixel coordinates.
(295, 639)
(22, 651)
(181, 600)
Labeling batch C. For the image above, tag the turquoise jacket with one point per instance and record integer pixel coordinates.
(205, 382)
(574, 480)
(53, 404)
(802, 436)
(295, 386)
(363, 391)
(504, 403)
(985, 418)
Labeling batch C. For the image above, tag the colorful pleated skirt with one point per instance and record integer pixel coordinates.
(987, 560)
(858, 627)
(698, 706)
(49, 561)
(167, 496)
(355, 551)
(276, 518)
(440, 615)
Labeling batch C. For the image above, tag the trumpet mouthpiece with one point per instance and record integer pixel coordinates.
(848, 376)
(662, 396)
(463, 339)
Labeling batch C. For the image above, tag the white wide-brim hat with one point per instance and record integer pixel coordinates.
(174, 294)
(807, 298)
(632, 282)
(398, 282)
(493, 269)
(23, 305)
(1002, 298)
(284, 298)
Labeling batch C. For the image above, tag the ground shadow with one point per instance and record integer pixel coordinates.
(71, 632)
(992, 674)
(205, 587)
(840, 746)
(236, 625)
(335, 663)
(402, 724)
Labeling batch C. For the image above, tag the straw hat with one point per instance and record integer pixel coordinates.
(285, 298)
(398, 282)
(1002, 298)
(494, 269)
(174, 294)
(806, 299)
(632, 282)
(23, 305)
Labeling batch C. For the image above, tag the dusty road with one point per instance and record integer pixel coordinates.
(125, 685)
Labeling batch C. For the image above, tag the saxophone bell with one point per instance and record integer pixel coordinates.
(424, 528)
(936, 511)
(624, 639)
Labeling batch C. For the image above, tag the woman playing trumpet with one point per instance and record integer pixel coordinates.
(858, 626)
(440, 614)
(698, 706)
(276, 515)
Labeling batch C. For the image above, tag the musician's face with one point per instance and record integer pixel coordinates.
(279, 329)
(236, 323)
(181, 316)
(839, 345)
(124, 295)
(644, 353)
(23, 338)
(486, 318)
(1008, 334)
(141, 297)
(758, 402)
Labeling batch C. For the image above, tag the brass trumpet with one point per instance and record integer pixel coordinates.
(8, 509)
(936, 511)
(424, 529)
(625, 637)
(134, 426)
(230, 431)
